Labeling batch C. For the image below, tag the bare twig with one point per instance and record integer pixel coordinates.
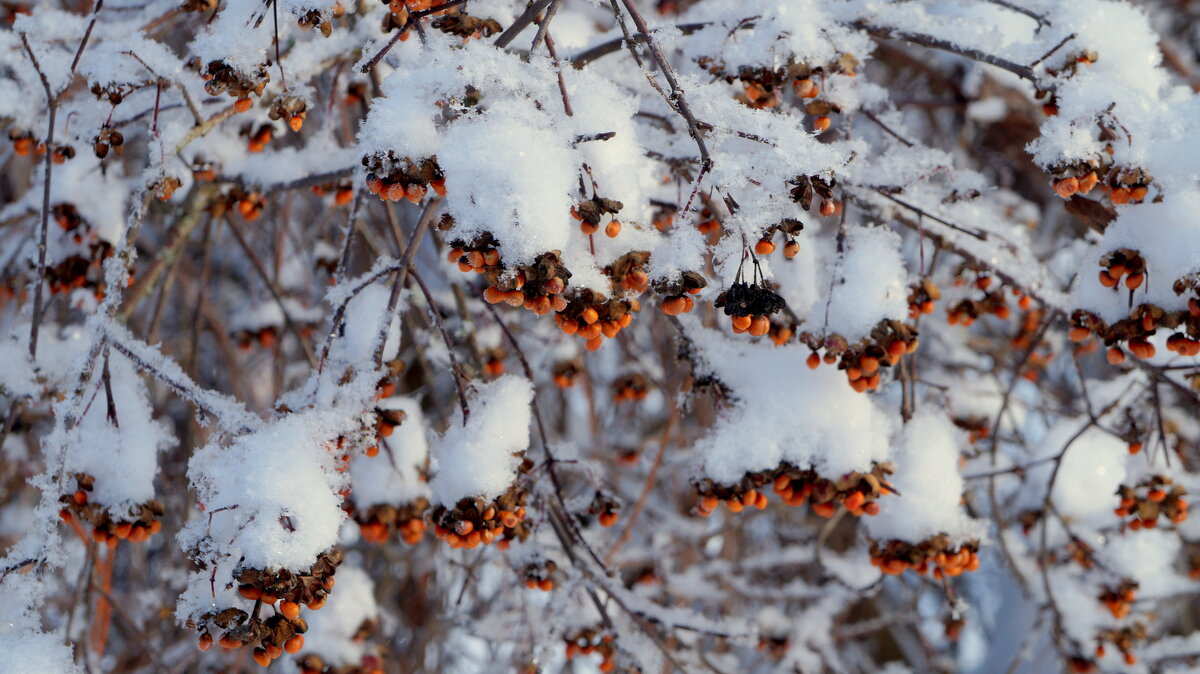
(52, 102)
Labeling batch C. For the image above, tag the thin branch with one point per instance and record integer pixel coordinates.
(36, 319)
(521, 22)
(275, 291)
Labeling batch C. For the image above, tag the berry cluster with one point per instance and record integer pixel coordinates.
(749, 306)
(281, 589)
(258, 137)
(944, 556)
(604, 507)
(108, 138)
(795, 487)
(293, 109)
(1123, 638)
(921, 298)
(138, 523)
(379, 522)
(592, 640)
(965, 311)
(594, 317)
(862, 361)
(1144, 319)
(393, 179)
(220, 77)
(473, 521)
(1119, 600)
(675, 293)
(323, 21)
(595, 212)
(1153, 496)
(788, 228)
(566, 371)
(24, 142)
(630, 388)
(804, 188)
(248, 204)
(343, 192)
(540, 574)
(537, 287)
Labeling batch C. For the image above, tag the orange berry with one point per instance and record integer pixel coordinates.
(759, 326)
(1078, 334)
(1115, 356)
(295, 122)
(80, 497)
(1067, 187)
(1087, 183)
(608, 519)
(206, 641)
(230, 643)
(1135, 447)
(828, 207)
(241, 104)
(1120, 195)
(741, 322)
(613, 229)
(1134, 281)
(791, 249)
(588, 228)
(813, 360)
(806, 88)
(825, 510)
(764, 247)
(821, 124)
(262, 657)
(289, 609)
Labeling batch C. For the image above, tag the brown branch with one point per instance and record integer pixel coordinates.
(51, 101)
(274, 290)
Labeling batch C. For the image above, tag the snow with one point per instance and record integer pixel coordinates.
(929, 484)
(122, 457)
(480, 458)
(331, 630)
(869, 283)
(805, 417)
(394, 476)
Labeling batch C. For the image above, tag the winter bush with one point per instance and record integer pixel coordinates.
(351, 337)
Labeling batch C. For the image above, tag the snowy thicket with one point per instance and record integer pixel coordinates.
(872, 349)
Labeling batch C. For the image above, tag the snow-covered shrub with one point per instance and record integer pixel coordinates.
(276, 280)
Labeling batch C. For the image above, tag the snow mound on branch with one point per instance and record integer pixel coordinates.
(34, 653)
(123, 457)
(870, 283)
(394, 476)
(930, 486)
(781, 31)
(1166, 235)
(331, 630)
(782, 411)
(512, 161)
(519, 170)
(280, 487)
(481, 458)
